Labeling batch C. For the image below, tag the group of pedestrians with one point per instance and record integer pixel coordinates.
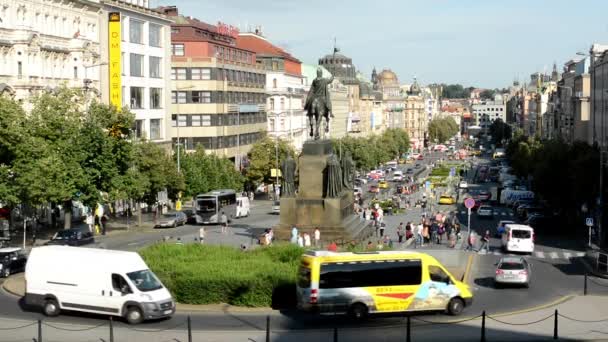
(305, 239)
(474, 237)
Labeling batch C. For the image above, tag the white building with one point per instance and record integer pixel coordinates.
(45, 44)
(145, 65)
(486, 112)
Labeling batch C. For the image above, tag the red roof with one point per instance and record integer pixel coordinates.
(261, 46)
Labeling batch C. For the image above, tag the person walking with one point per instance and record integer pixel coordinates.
(485, 242)
(300, 240)
(224, 223)
(332, 247)
(382, 227)
(201, 235)
(306, 240)
(294, 235)
(317, 236)
(471, 240)
(434, 232)
(420, 234)
(400, 233)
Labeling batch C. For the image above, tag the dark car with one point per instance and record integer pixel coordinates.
(72, 237)
(12, 260)
(539, 221)
(409, 171)
(190, 215)
(172, 219)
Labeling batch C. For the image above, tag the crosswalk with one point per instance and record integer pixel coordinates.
(554, 255)
(496, 213)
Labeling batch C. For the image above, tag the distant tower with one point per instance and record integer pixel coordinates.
(375, 79)
(554, 74)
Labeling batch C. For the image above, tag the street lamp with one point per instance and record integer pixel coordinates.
(87, 82)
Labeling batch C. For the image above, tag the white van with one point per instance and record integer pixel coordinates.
(242, 206)
(397, 176)
(518, 238)
(93, 280)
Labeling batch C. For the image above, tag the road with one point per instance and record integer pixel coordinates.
(551, 265)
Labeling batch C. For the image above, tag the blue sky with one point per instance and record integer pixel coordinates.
(484, 43)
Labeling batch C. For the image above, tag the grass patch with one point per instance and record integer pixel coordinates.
(204, 274)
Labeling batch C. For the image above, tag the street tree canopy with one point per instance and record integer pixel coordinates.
(204, 172)
(262, 158)
(442, 129)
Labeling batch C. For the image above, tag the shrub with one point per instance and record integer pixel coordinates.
(204, 274)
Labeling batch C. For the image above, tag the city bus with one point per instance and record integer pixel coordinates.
(209, 207)
(359, 284)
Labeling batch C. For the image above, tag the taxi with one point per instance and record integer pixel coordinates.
(383, 185)
(447, 199)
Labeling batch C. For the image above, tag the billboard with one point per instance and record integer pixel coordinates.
(114, 59)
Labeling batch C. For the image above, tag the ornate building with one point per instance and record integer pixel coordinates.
(388, 84)
(415, 115)
(45, 44)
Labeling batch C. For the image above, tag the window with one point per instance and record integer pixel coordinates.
(174, 30)
(201, 73)
(274, 83)
(154, 35)
(154, 67)
(205, 120)
(137, 97)
(201, 97)
(271, 121)
(177, 49)
(379, 273)
(19, 70)
(155, 129)
(182, 120)
(282, 103)
(136, 31)
(438, 275)
(120, 284)
(196, 120)
(178, 73)
(178, 97)
(139, 128)
(75, 72)
(156, 95)
(271, 104)
(136, 65)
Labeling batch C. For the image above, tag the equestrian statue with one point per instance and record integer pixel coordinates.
(318, 104)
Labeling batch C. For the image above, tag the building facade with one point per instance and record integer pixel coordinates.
(598, 75)
(46, 44)
(486, 112)
(144, 65)
(284, 88)
(392, 98)
(218, 90)
(415, 115)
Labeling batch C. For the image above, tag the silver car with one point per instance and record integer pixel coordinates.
(172, 219)
(513, 270)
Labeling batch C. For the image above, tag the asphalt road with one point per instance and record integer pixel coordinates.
(556, 272)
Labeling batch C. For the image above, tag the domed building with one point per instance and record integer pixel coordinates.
(340, 66)
(387, 83)
(416, 118)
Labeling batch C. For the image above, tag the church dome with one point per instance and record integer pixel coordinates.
(387, 77)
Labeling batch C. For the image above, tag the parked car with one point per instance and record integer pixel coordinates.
(72, 237)
(513, 270)
(409, 171)
(172, 219)
(447, 199)
(485, 211)
(12, 260)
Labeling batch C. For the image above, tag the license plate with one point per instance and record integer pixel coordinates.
(167, 312)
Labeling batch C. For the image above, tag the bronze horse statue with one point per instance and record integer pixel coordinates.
(318, 104)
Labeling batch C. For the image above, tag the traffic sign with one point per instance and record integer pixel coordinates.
(589, 221)
(469, 203)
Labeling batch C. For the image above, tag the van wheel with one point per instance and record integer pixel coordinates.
(134, 315)
(358, 311)
(455, 306)
(51, 308)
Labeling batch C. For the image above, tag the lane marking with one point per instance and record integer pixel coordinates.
(133, 243)
(553, 255)
(540, 255)
(567, 255)
(580, 254)
(467, 269)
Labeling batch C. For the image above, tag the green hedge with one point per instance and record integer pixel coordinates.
(204, 274)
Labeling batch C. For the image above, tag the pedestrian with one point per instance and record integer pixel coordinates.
(440, 233)
(452, 238)
(294, 235)
(420, 234)
(224, 223)
(300, 240)
(306, 240)
(332, 247)
(90, 221)
(382, 227)
(270, 236)
(201, 235)
(104, 220)
(485, 242)
(317, 237)
(369, 246)
(425, 233)
(400, 234)
(434, 232)
(471, 242)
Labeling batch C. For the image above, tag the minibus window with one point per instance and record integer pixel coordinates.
(304, 277)
(437, 274)
(366, 274)
(521, 234)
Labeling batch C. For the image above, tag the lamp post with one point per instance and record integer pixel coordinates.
(87, 82)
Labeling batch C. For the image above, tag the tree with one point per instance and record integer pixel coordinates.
(263, 158)
(487, 94)
(456, 91)
(442, 129)
(500, 131)
(205, 172)
(158, 170)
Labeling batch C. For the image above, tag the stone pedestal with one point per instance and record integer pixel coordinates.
(309, 209)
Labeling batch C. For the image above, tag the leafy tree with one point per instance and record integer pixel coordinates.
(442, 129)
(487, 94)
(500, 131)
(205, 172)
(455, 91)
(158, 170)
(262, 158)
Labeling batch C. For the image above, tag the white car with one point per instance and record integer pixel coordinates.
(485, 211)
(463, 185)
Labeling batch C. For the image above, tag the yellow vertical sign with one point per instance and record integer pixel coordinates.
(114, 66)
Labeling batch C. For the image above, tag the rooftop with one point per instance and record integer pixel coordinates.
(261, 46)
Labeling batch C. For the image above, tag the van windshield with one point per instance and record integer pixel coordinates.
(521, 234)
(145, 280)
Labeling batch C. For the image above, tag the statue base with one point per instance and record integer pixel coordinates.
(309, 209)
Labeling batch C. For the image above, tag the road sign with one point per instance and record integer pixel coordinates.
(452, 172)
(469, 203)
(589, 221)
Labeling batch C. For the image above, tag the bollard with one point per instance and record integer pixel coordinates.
(555, 326)
(39, 331)
(189, 329)
(585, 286)
(483, 326)
(111, 330)
(268, 328)
(335, 334)
(408, 335)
